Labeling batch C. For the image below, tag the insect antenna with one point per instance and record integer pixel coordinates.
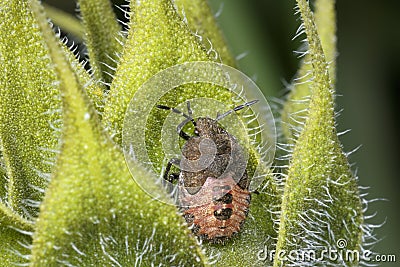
(247, 104)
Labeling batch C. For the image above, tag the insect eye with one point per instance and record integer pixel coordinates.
(196, 132)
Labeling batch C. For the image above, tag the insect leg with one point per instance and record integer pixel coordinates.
(173, 176)
(182, 124)
(181, 132)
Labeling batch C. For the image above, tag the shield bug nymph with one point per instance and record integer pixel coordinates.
(213, 182)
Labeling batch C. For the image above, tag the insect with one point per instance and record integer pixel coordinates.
(213, 182)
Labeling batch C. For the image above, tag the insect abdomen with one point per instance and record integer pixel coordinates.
(218, 210)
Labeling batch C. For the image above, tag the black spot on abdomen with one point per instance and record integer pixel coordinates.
(226, 199)
(223, 214)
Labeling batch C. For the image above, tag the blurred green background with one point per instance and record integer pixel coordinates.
(368, 84)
